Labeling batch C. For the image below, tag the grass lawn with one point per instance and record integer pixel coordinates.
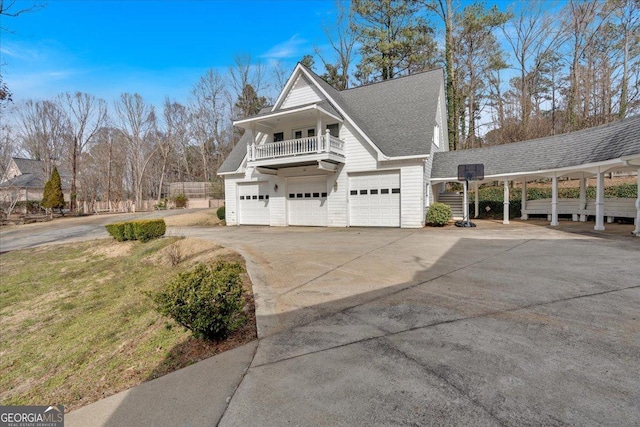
(77, 325)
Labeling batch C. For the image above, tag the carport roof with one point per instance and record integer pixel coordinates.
(590, 146)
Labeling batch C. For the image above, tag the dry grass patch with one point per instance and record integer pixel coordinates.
(204, 218)
(78, 326)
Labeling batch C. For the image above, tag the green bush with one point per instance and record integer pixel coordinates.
(116, 231)
(129, 232)
(439, 214)
(149, 229)
(496, 209)
(144, 230)
(181, 201)
(208, 301)
(220, 213)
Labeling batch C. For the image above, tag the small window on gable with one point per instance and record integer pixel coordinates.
(334, 129)
(436, 135)
(278, 136)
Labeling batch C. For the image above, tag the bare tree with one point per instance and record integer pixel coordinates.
(42, 132)
(136, 121)
(85, 115)
(208, 114)
(531, 34)
(246, 73)
(343, 46)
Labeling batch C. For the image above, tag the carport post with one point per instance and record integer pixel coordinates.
(583, 198)
(524, 216)
(637, 230)
(505, 214)
(599, 202)
(554, 201)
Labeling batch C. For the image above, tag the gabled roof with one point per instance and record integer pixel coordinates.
(584, 147)
(235, 158)
(28, 165)
(397, 116)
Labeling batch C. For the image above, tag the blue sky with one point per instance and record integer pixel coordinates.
(155, 48)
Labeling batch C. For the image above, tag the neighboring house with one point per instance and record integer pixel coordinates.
(25, 179)
(323, 157)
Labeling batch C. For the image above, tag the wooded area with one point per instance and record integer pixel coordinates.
(530, 70)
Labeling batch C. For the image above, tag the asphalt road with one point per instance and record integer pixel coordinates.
(70, 229)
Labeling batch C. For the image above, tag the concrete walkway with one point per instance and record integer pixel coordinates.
(498, 325)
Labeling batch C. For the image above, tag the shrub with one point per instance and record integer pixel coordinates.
(116, 230)
(220, 213)
(149, 229)
(129, 232)
(137, 230)
(439, 214)
(208, 301)
(181, 201)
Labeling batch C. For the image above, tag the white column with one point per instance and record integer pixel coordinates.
(524, 216)
(505, 213)
(599, 202)
(583, 198)
(554, 201)
(476, 206)
(637, 230)
(319, 136)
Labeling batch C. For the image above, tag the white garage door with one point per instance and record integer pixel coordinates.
(253, 204)
(307, 201)
(374, 200)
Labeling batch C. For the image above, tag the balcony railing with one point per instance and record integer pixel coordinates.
(296, 147)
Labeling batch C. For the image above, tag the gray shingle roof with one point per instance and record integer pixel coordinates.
(234, 159)
(597, 144)
(28, 165)
(26, 180)
(397, 115)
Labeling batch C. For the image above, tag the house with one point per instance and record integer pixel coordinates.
(24, 180)
(323, 157)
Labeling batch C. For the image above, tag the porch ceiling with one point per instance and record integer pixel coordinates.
(303, 115)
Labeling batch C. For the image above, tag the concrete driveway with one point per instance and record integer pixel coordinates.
(498, 325)
(517, 325)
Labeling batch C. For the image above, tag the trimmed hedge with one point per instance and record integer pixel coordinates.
(220, 213)
(208, 301)
(149, 229)
(621, 191)
(143, 230)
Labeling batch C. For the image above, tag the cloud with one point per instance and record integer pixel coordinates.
(293, 47)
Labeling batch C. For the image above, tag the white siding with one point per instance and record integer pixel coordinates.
(302, 93)
(338, 199)
(412, 196)
(231, 199)
(359, 155)
(278, 202)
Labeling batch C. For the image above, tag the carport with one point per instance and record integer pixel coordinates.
(588, 153)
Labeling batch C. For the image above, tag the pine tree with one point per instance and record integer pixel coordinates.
(53, 198)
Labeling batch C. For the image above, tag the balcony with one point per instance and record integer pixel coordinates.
(297, 152)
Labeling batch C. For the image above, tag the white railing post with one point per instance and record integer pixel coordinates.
(249, 151)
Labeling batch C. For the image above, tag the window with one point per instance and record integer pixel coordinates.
(373, 191)
(334, 129)
(436, 135)
(261, 197)
(278, 136)
(384, 191)
(316, 194)
(324, 195)
(292, 196)
(395, 191)
(363, 191)
(297, 134)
